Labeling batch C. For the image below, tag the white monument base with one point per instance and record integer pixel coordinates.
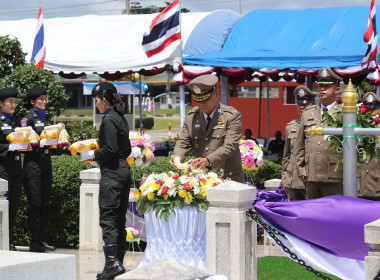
(36, 266)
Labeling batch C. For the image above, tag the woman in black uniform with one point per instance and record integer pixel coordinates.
(37, 172)
(115, 147)
(10, 161)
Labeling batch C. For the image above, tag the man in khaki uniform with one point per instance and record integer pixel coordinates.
(293, 185)
(212, 130)
(315, 163)
(369, 173)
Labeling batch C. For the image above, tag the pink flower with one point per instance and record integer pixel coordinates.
(151, 157)
(249, 144)
(377, 120)
(203, 180)
(136, 231)
(175, 177)
(159, 182)
(134, 143)
(249, 161)
(259, 162)
(164, 190)
(186, 186)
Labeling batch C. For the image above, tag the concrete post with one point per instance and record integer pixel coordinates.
(90, 233)
(372, 238)
(4, 216)
(231, 236)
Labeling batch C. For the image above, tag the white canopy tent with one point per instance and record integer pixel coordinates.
(98, 44)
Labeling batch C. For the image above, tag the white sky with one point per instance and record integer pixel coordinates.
(19, 9)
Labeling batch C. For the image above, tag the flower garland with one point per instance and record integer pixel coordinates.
(142, 150)
(133, 234)
(161, 192)
(368, 147)
(251, 155)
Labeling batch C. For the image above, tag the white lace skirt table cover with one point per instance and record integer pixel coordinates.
(182, 238)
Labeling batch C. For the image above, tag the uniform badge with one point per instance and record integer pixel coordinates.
(219, 124)
(370, 98)
(311, 118)
(301, 93)
(39, 123)
(324, 73)
(197, 89)
(6, 126)
(293, 131)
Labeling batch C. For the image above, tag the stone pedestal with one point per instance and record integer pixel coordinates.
(90, 233)
(4, 216)
(272, 185)
(372, 238)
(36, 266)
(231, 235)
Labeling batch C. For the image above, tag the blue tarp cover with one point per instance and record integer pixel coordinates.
(295, 39)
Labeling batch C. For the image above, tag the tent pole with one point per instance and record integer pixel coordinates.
(261, 89)
(140, 100)
(224, 89)
(268, 126)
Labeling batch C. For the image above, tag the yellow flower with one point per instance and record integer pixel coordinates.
(244, 166)
(154, 186)
(256, 148)
(182, 193)
(129, 235)
(142, 189)
(148, 153)
(188, 198)
(202, 184)
(130, 161)
(150, 196)
(137, 195)
(241, 141)
(166, 196)
(204, 192)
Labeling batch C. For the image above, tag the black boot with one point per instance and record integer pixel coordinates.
(36, 244)
(120, 255)
(113, 267)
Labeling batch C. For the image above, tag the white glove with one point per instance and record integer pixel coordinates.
(15, 147)
(87, 155)
(94, 163)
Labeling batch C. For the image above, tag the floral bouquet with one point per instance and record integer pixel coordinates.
(85, 146)
(142, 150)
(251, 155)
(133, 234)
(171, 141)
(24, 138)
(54, 136)
(367, 146)
(161, 192)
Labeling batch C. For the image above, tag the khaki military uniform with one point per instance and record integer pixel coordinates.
(369, 180)
(219, 144)
(290, 178)
(314, 160)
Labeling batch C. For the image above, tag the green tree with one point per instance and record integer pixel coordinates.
(11, 55)
(25, 77)
(136, 8)
(363, 88)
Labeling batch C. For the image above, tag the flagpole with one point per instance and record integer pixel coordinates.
(182, 104)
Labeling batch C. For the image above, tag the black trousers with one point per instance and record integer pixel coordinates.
(37, 185)
(113, 203)
(10, 170)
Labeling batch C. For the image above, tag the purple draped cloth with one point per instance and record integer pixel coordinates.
(334, 224)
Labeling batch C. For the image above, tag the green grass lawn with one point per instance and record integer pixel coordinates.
(161, 124)
(77, 112)
(168, 112)
(283, 268)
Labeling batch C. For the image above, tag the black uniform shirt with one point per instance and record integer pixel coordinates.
(38, 125)
(113, 140)
(6, 128)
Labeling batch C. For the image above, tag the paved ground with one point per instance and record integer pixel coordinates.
(88, 264)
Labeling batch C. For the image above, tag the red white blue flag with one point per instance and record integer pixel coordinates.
(164, 30)
(370, 36)
(149, 106)
(39, 51)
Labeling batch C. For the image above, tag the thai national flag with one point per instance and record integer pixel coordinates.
(149, 106)
(370, 36)
(164, 30)
(38, 54)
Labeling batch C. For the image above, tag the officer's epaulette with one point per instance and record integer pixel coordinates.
(291, 122)
(229, 109)
(193, 110)
(311, 107)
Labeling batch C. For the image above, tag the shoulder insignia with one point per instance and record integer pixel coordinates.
(229, 109)
(193, 110)
(311, 107)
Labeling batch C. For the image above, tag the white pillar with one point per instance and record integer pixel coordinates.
(90, 233)
(231, 236)
(4, 216)
(372, 238)
(224, 89)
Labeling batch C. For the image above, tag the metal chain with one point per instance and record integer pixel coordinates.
(273, 232)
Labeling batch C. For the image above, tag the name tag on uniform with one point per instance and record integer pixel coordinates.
(17, 157)
(220, 126)
(293, 131)
(197, 125)
(6, 127)
(311, 118)
(40, 124)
